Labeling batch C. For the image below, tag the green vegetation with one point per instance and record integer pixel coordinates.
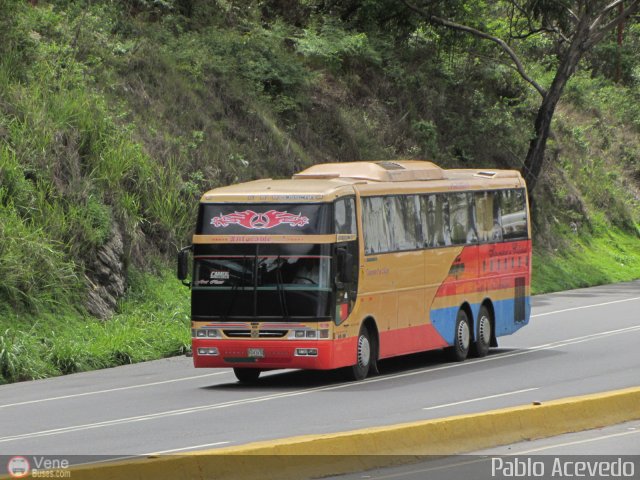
(152, 323)
(588, 260)
(116, 116)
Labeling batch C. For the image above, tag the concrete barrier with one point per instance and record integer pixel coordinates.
(331, 454)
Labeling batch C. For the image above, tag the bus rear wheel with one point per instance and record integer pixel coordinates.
(462, 338)
(247, 375)
(360, 370)
(483, 333)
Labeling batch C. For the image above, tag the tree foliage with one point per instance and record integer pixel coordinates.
(575, 27)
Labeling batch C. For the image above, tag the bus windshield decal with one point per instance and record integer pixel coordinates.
(258, 221)
(265, 219)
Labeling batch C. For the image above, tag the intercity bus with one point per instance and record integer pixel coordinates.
(346, 264)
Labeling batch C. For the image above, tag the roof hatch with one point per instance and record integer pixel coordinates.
(383, 171)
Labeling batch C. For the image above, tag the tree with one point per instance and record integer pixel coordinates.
(576, 26)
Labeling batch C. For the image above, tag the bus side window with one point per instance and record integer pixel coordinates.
(345, 216)
(513, 209)
(442, 231)
(496, 232)
(425, 213)
(376, 229)
(461, 217)
(488, 217)
(402, 217)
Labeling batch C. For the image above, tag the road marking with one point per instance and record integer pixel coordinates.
(479, 399)
(174, 450)
(295, 393)
(118, 389)
(147, 455)
(576, 442)
(585, 306)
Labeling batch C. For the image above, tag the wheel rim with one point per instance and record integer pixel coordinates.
(463, 335)
(364, 351)
(484, 330)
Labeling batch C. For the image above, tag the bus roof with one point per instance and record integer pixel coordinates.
(327, 181)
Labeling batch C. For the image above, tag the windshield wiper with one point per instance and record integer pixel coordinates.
(281, 293)
(236, 288)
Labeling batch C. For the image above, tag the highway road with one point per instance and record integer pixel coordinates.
(578, 342)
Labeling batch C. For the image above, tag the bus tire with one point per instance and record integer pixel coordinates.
(247, 375)
(483, 333)
(360, 370)
(462, 338)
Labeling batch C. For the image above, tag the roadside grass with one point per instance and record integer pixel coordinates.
(612, 256)
(153, 322)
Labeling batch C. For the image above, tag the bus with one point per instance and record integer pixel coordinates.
(346, 264)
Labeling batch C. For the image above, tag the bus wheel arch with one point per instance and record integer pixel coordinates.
(372, 327)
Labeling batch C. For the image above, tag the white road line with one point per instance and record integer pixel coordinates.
(479, 399)
(174, 450)
(118, 389)
(585, 306)
(147, 455)
(248, 401)
(577, 442)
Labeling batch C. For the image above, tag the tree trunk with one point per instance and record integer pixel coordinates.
(535, 156)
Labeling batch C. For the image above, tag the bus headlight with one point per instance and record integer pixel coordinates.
(205, 333)
(207, 351)
(306, 352)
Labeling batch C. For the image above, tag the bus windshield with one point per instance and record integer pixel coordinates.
(267, 281)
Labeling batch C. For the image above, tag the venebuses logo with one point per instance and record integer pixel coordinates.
(259, 221)
(18, 467)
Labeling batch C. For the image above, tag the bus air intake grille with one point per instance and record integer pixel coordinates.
(261, 333)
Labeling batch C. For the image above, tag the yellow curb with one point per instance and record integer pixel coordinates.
(331, 454)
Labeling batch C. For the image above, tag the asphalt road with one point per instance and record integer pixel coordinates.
(578, 342)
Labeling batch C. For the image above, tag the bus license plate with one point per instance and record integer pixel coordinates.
(255, 352)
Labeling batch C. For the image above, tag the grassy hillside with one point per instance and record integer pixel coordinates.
(116, 116)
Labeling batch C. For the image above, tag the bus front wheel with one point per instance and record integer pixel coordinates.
(462, 338)
(247, 375)
(360, 370)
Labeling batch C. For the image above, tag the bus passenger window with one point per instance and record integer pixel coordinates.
(513, 209)
(488, 217)
(402, 217)
(376, 229)
(461, 217)
(442, 232)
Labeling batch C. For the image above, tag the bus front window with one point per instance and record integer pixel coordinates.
(277, 283)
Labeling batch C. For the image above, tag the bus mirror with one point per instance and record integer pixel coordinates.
(183, 264)
(345, 266)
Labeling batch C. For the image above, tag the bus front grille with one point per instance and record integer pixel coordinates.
(261, 333)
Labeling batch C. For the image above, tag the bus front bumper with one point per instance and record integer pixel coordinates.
(272, 354)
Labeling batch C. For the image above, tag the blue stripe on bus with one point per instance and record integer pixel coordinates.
(444, 319)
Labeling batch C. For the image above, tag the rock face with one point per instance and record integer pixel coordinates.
(107, 276)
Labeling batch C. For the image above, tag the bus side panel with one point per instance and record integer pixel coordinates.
(503, 277)
(411, 340)
(460, 285)
(344, 352)
(507, 272)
